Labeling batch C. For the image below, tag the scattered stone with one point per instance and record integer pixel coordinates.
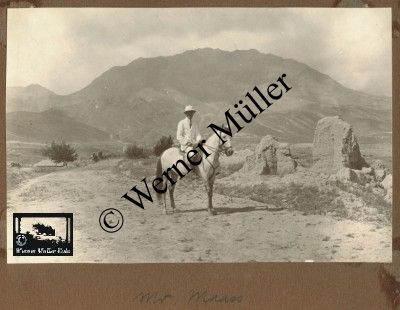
(367, 171)
(387, 182)
(377, 165)
(326, 238)
(388, 196)
(270, 157)
(387, 185)
(188, 249)
(380, 170)
(378, 191)
(335, 146)
(346, 175)
(362, 178)
(380, 174)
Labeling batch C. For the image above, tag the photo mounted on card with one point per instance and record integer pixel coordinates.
(191, 135)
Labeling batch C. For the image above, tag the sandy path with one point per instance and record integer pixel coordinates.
(242, 231)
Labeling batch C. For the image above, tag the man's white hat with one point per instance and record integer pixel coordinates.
(189, 108)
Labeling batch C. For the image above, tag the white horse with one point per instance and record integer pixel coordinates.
(207, 168)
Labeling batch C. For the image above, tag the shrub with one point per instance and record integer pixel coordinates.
(134, 151)
(304, 198)
(96, 156)
(163, 144)
(230, 169)
(60, 152)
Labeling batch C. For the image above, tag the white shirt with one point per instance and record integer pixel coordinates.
(186, 134)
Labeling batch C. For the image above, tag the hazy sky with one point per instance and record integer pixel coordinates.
(65, 49)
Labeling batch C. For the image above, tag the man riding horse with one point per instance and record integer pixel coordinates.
(188, 135)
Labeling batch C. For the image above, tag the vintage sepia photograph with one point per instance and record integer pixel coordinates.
(199, 135)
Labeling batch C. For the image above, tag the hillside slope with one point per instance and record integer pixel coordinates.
(48, 126)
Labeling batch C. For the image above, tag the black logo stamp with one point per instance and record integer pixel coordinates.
(111, 220)
(42, 234)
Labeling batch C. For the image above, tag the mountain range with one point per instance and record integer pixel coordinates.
(143, 100)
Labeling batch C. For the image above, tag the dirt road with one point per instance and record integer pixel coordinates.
(242, 231)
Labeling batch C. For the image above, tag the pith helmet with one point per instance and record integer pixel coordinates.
(189, 108)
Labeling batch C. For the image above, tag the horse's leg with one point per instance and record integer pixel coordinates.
(171, 198)
(164, 196)
(165, 203)
(209, 188)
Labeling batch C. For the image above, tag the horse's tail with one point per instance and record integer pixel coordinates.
(158, 175)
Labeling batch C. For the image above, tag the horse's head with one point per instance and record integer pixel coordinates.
(227, 146)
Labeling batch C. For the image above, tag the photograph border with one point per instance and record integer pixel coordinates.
(259, 285)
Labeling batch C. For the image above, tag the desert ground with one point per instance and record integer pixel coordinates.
(245, 229)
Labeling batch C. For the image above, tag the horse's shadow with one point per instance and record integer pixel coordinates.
(226, 210)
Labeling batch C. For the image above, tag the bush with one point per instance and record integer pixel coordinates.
(96, 156)
(60, 152)
(163, 144)
(134, 151)
(304, 198)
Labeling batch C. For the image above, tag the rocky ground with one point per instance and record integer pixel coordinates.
(243, 230)
(323, 202)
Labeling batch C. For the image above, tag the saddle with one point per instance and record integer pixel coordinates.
(194, 158)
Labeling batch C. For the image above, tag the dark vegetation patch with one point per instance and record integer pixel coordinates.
(226, 170)
(303, 198)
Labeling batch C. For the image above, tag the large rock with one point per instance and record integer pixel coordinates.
(387, 182)
(270, 157)
(387, 185)
(335, 146)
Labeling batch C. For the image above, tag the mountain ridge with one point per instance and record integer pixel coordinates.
(156, 90)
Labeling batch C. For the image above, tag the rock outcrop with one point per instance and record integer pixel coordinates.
(335, 146)
(387, 185)
(270, 157)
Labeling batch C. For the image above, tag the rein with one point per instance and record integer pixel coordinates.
(213, 149)
(216, 150)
